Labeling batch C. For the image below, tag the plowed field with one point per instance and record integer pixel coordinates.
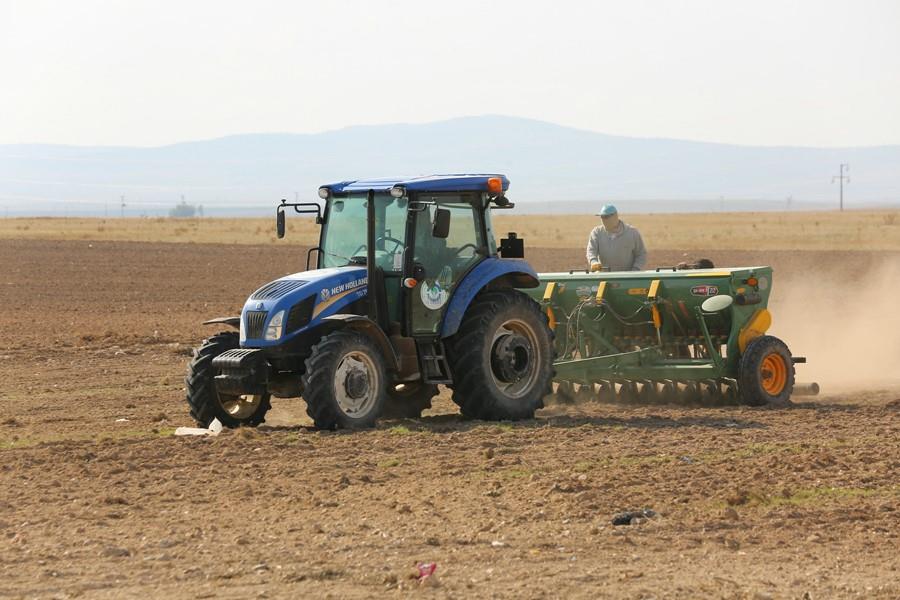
(99, 500)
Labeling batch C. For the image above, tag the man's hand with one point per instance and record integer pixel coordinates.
(596, 267)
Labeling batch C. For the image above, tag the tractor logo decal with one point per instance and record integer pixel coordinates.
(704, 290)
(328, 296)
(435, 292)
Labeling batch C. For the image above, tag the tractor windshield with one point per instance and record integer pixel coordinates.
(344, 234)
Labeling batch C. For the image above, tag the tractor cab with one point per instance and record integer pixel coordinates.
(407, 291)
(426, 233)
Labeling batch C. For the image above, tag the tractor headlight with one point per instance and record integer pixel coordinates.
(398, 191)
(242, 336)
(273, 331)
(324, 192)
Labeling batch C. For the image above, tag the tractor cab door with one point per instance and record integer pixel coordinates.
(344, 237)
(442, 260)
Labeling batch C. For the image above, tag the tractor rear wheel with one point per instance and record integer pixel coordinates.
(409, 401)
(344, 384)
(206, 403)
(501, 357)
(766, 372)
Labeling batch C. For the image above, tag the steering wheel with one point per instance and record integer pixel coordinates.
(463, 247)
(386, 238)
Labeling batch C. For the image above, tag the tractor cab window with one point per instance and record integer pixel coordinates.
(344, 234)
(445, 260)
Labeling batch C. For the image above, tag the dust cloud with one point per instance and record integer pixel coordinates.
(845, 321)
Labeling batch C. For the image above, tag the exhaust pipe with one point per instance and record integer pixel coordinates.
(806, 389)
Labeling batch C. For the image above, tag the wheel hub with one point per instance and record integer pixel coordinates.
(240, 407)
(511, 358)
(773, 374)
(356, 384)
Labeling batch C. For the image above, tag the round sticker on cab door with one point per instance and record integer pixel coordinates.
(433, 294)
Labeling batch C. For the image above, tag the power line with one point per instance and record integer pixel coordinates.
(844, 168)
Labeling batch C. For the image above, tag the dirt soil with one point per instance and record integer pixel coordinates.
(99, 500)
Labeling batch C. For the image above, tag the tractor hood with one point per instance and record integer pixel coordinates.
(293, 304)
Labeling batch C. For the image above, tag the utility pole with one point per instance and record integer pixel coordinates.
(845, 168)
(123, 207)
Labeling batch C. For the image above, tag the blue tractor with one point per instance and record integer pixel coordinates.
(409, 291)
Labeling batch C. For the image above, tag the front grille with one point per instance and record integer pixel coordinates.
(276, 289)
(256, 322)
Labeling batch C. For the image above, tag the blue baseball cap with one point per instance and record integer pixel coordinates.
(608, 209)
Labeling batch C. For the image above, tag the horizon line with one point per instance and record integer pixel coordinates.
(437, 122)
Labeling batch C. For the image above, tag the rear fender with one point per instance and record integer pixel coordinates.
(489, 273)
(366, 326)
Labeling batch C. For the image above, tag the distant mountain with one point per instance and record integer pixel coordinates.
(552, 168)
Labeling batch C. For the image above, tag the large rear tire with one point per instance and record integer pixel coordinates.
(206, 403)
(501, 357)
(345, 383)
(410, 401)
(766, 373)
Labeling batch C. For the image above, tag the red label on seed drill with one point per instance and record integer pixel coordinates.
(704, 290)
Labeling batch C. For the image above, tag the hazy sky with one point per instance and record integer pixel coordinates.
(823, 73)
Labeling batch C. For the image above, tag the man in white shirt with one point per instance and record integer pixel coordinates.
(615, 245)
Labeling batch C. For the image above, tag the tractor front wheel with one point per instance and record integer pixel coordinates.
(766, 373)
(206, 403)
(344, 384)
(502, 357)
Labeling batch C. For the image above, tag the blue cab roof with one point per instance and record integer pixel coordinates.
(460, 182)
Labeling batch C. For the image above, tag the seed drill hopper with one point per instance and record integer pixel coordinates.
(667, 336)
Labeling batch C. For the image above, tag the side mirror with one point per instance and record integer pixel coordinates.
(441, 228)
(279, 222)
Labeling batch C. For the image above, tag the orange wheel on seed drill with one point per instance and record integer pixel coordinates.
(766, 372)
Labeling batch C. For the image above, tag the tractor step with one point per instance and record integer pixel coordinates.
(433, 359)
